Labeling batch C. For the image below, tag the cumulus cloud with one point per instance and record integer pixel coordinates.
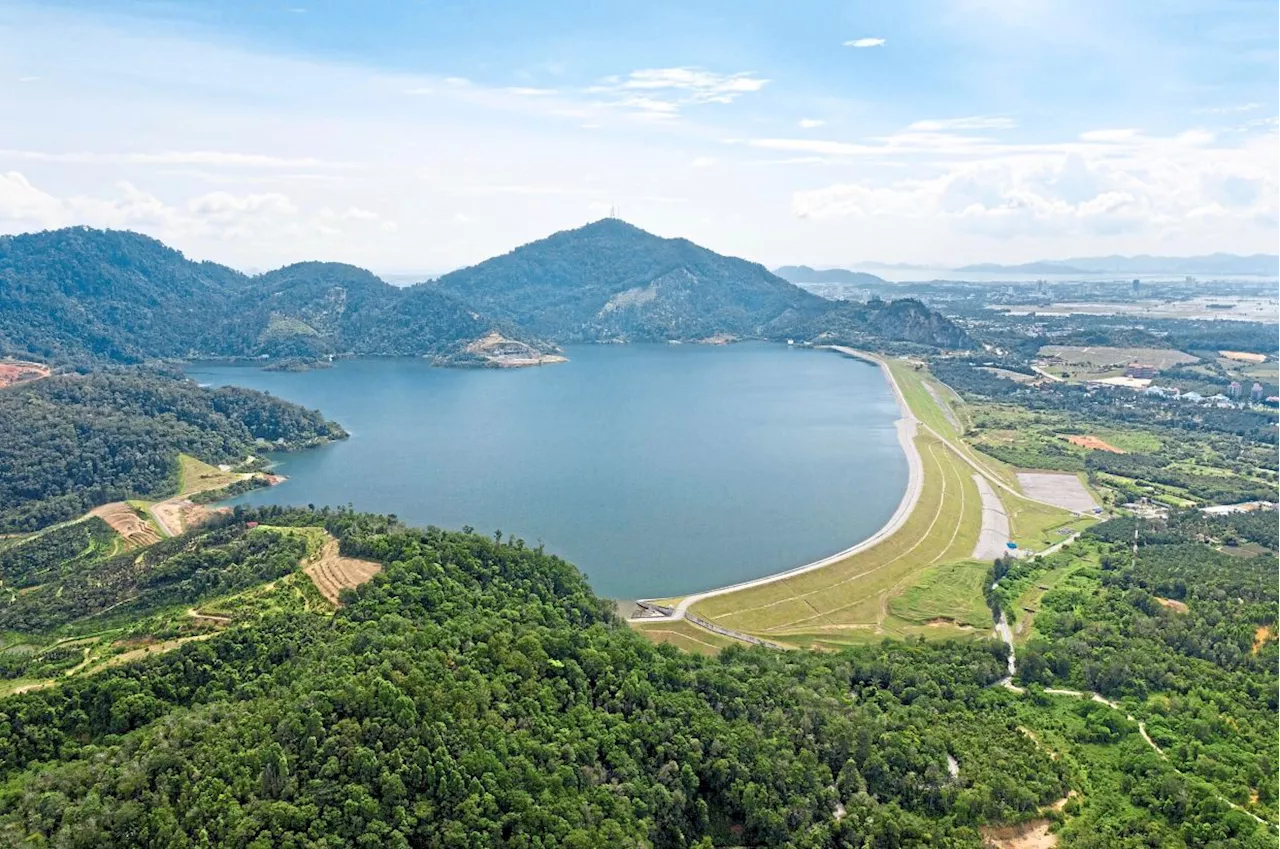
(22, 202)
(219, 215)
(811, 123)
(865, 42)
(1117, 182)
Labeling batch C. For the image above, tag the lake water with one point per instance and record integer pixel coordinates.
(656, 469)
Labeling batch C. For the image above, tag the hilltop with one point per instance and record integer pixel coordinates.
(610, 280)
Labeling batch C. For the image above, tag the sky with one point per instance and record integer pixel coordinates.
(420, 136)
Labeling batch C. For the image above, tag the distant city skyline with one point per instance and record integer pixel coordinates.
(418, 138)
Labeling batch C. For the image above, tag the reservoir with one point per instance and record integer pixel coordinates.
(656, 469)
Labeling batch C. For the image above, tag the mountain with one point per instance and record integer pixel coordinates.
(1260, 265)
(610, 280)
(88, 296)
(805, 274)
(83, 295)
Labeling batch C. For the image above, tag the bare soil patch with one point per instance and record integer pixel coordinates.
(1243, 356)
(332, 573)
(13, 372)
(1173, 604)
(125, 521)
(1034, 834)
(1260, 637)
(1094, 443)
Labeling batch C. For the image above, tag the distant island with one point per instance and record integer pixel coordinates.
(1260, 265)
(805, 274)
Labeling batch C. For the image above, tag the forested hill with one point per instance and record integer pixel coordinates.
(85, 296)
(312, 308)
(80, 295)
(478, 694)
(69, 443)
(610, 280)
(871, 324)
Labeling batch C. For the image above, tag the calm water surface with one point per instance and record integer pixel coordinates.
(656, 469)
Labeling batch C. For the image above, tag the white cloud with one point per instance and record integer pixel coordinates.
(355, 213)
(529, 91)
(1227, 110)
(703, 162)
(973, 122)
(1123, 134)
(664, 92)
(23, 203)
(865, 42)
(811, 123)
(1122, 183)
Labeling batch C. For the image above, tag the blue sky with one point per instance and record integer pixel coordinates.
(419, 136)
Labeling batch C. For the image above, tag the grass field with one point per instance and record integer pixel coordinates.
(1037, 526)
(948, 593)
(198, 476)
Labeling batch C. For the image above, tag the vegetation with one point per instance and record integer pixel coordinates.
(66, 548)
(84, 297)
(87, 296)
(1183, 635)
(71, 442)
(476, 693)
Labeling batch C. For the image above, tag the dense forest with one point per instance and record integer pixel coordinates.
(477, 694)
(71, 442)
(88, 296)
(83, 296)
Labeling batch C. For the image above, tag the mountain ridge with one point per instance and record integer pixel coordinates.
(80, 296)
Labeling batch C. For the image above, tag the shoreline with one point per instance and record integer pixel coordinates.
(907, 428)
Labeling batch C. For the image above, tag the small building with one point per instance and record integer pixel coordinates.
(1142, 371)
(1255, 394)
(1193, 397)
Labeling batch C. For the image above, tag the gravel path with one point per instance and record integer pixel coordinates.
(994, 536)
